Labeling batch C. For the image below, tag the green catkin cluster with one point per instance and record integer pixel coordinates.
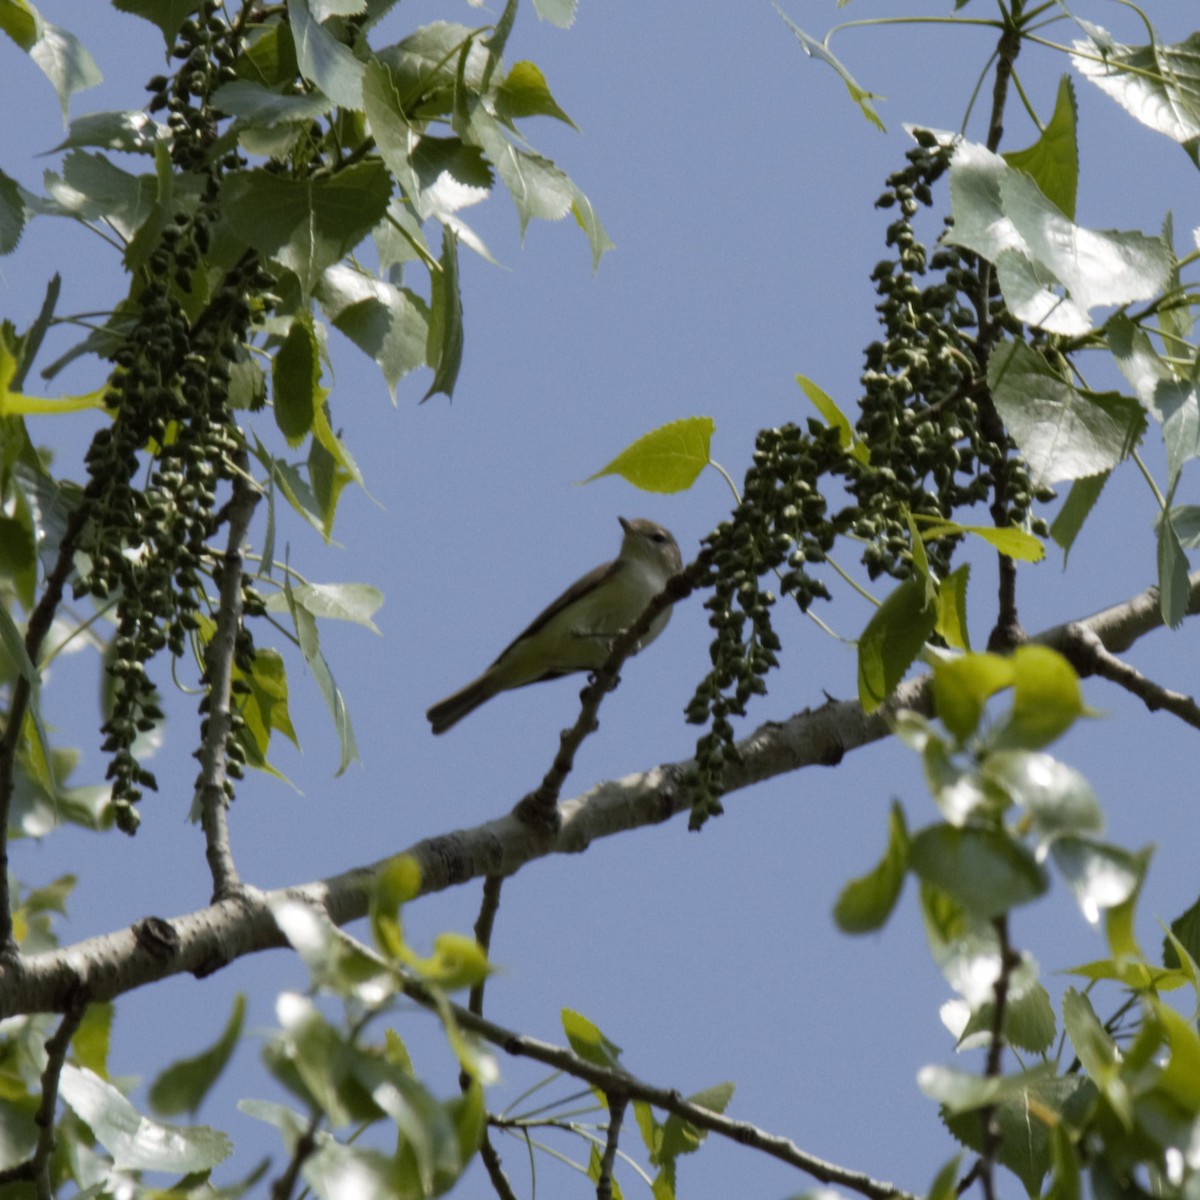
(936, 448)
(156, 472)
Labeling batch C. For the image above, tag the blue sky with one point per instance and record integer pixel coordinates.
(737, 181)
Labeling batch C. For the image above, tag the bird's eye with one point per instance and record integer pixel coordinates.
(658, 537)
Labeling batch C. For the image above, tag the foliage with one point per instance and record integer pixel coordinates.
(293, 147)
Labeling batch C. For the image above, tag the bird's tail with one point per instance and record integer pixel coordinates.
(450, 711)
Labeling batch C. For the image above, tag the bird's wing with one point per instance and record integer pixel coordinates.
(576, 591)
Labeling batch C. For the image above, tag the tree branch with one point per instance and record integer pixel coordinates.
(1089, 657)
(202, 942)
(37, 1169)
(213, 780)
(614, 1081)
(617, 1103)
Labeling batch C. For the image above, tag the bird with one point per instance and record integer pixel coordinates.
(576, 631)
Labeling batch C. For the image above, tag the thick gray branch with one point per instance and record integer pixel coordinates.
(204, 941)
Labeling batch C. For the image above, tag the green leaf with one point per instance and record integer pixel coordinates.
(985, 870)
(588, 1042)
(866, 902)
(557, 12)
(682, 1137)
(295, 381)
(259, 106)
(1179, 1079)
(34, 734)
(93, 189)
(131, 132)
(1094, 1046)
(587, 220)
(354, 602)
(324, 60)
(1062, 433)
(523, 92)
(1172, 401)
(1185, 927)
(1025, 1141)
(1046, 700)
(265, 707)
(444, 348)
(1101, 876)
(892, 639)
(821, 53)
(1185, 518)
(307, 224)
(1158, 84)
(60, 55)
(1174, 588)
(963, 686)
(667, 459)
(943, 1186)
(89, 1046)
(832, 415)
(168, 15)
(1058, 798)
(12, 214)
(538, 188)
(389, 323)
(960, 1091)
(1010, 540)
(951, 623)
(1075, 510)
(1053, 160)
(1036, 295)
(181, 1087)
(1052, 271)
(135, 1142)
(21, 21)
(1028, 1016)
(310, 647)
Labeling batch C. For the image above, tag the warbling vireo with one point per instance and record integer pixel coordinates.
(576, 632)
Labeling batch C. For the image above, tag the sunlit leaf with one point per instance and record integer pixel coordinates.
(137, 1143)
(962, 687)
(668, 459)
(821, 52)
(891, 641)
(1053, 160)
(834, 416)
(985, 870)
(1158, 84)
(1062, 433)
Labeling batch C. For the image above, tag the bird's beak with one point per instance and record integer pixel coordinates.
(624, 524)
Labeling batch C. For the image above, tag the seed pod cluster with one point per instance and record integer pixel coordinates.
(781, 526)
(156, 472)
(936, 448)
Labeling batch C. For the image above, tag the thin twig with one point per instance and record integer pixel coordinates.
(995, 1055)
(305, 1146)
(617, 1103)
(488, 907)
(612, 1080)
(218, 671)
(36, 1170)
(539, 809)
